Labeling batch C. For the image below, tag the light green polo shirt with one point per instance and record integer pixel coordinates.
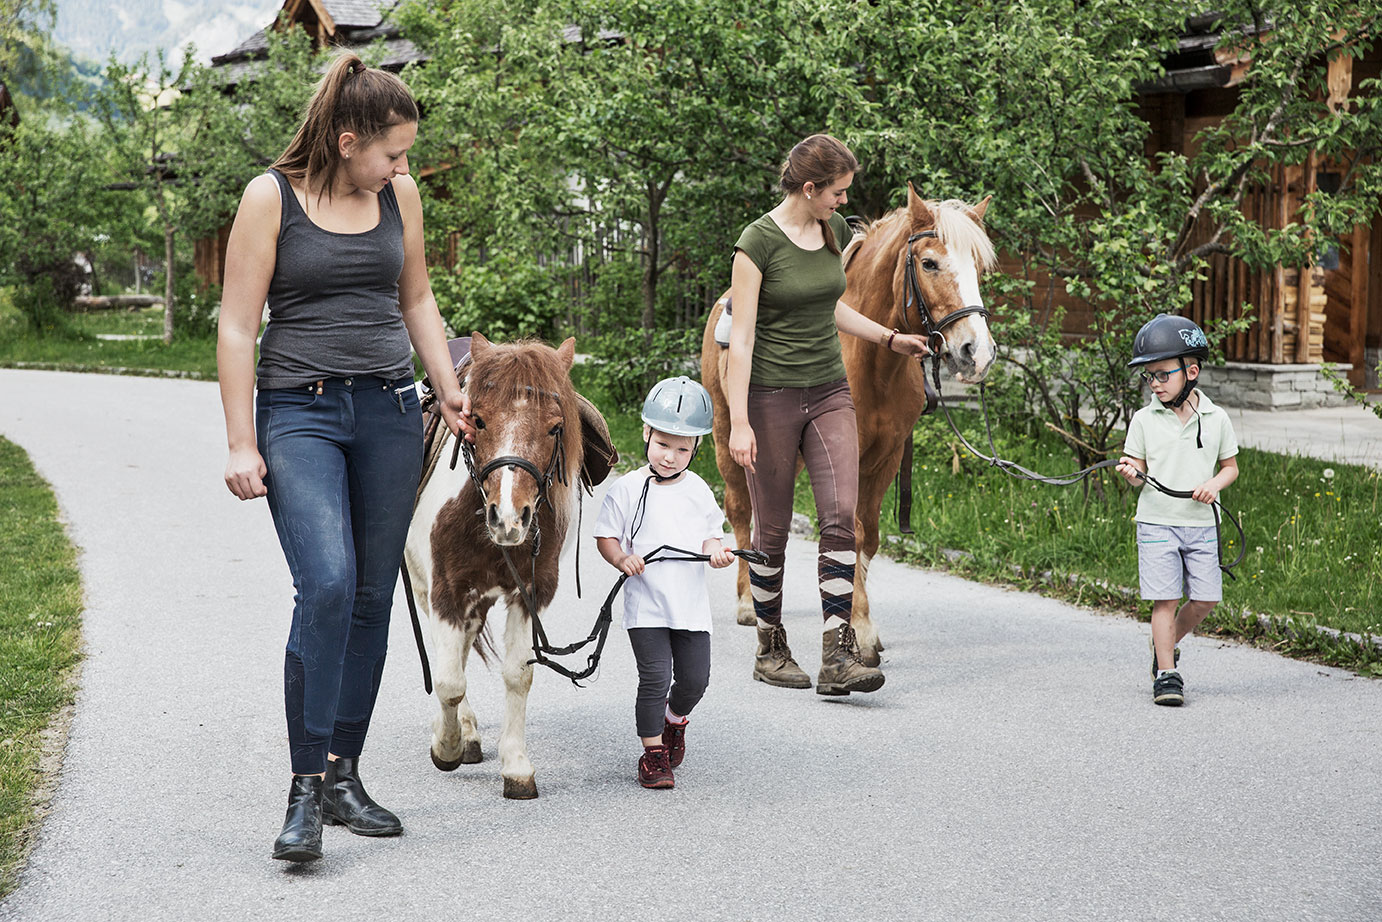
(1158, 437)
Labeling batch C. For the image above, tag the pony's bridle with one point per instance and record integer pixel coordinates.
(935, 339)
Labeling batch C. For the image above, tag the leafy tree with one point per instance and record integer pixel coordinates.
(54, 184)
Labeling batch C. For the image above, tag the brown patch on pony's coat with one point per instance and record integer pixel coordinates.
(467, 565)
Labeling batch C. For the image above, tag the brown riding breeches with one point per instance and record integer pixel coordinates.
(818, 423)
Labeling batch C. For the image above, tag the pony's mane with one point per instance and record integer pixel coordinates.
(955, 226)
(518, 366)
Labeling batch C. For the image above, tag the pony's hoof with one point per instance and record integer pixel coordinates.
(470, 755)
(520, 788)
(446, 765)
(746, 616)
(869, 656)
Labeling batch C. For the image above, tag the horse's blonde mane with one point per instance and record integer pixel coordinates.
(955, 226)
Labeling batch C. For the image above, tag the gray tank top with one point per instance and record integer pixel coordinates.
(333, 300)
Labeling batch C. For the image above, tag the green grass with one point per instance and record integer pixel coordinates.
(78, 349)
(40, 624)
(1314, 543)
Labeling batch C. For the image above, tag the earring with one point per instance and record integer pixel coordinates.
(808, 195)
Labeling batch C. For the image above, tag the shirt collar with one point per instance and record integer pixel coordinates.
(1206, 405)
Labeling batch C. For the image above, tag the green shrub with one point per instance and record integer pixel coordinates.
(505, 298)
(626, 366)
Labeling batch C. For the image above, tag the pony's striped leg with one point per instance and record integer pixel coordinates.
(514, 764)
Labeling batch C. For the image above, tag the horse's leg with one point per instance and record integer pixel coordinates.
(450, 643)
(740, 514)
(873, 484)
(514, 764)
(470, 730)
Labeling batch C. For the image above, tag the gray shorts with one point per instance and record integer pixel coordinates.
(1179, 561)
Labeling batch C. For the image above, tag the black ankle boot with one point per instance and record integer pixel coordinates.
(345, 803)
(301, 838)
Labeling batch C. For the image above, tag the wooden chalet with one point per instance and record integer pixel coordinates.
(1332, 311)
(332, 24)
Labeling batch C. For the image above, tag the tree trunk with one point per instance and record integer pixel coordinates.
(168, 284)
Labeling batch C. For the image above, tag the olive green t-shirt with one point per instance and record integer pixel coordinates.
(795, 343)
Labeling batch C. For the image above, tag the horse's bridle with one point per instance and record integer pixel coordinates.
(935, 339)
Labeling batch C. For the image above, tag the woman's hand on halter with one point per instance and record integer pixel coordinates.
(743, 446)
(909, 344)
(245, 473)
(455, 412)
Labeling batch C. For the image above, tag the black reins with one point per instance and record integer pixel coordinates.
(935, 340)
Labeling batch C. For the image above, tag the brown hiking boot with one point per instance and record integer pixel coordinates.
(654, 771)
(774, 664)
(842, 666)
(674, 738)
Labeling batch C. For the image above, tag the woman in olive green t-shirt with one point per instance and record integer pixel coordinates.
(788, 395)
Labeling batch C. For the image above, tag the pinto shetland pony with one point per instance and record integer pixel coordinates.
(523, 407)
(888, 389)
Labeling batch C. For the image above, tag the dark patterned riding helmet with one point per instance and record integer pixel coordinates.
(1167, 336)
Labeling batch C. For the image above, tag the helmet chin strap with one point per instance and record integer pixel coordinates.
(1183, 396)
(647, 447)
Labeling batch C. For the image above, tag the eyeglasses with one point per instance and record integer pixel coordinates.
(1161, 376)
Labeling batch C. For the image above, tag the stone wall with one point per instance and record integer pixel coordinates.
(1271, 387)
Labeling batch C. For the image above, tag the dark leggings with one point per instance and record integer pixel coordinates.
(668, 657)
(818, 424)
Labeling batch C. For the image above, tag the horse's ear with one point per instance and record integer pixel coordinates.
(980, 208)
(478, 344)
(567, 352)
(921, 215)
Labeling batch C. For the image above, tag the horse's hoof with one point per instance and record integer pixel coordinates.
(471, 753)
(446, 765)
(869, 656)
(520, 788)
(878, 645)
(746, 616)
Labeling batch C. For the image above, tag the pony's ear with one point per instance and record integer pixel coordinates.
(567, 352)
(478, 344)
(980, 208)
(921, 215)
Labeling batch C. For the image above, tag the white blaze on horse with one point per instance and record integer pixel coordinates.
(948, 250)
(515, 495)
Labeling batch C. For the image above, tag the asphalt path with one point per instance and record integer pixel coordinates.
(1013, 767)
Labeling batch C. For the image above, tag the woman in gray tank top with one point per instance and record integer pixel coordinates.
(331, 238)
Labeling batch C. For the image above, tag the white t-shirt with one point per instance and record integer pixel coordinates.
(669, 593)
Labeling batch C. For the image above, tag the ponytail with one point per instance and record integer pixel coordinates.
(819, 159)
(351, 97)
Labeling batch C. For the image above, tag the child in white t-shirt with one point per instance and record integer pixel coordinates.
(666, 604)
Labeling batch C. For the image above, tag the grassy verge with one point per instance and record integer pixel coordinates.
(1313, 534)
(78, 349)
(40, 618)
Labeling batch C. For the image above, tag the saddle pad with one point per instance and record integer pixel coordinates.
(722, 324)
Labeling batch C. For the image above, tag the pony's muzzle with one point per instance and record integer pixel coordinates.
(508, 530)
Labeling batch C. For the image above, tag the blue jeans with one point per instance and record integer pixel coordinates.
(344, 466)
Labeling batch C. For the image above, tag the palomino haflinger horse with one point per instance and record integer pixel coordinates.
(517, 491)
(949, 250)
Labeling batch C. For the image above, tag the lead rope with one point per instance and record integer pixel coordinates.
(1016, 470)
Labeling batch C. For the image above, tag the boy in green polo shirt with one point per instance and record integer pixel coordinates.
(1180, 438)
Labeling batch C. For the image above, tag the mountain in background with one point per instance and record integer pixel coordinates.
(94, 29)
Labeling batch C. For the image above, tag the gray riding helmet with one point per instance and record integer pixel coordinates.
(679, 406)
(1167, 336)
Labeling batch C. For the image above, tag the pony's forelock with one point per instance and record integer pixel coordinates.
(957, 229)
(955, 226)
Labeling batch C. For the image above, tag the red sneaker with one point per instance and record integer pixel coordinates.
(674, 738)
(654, 771)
